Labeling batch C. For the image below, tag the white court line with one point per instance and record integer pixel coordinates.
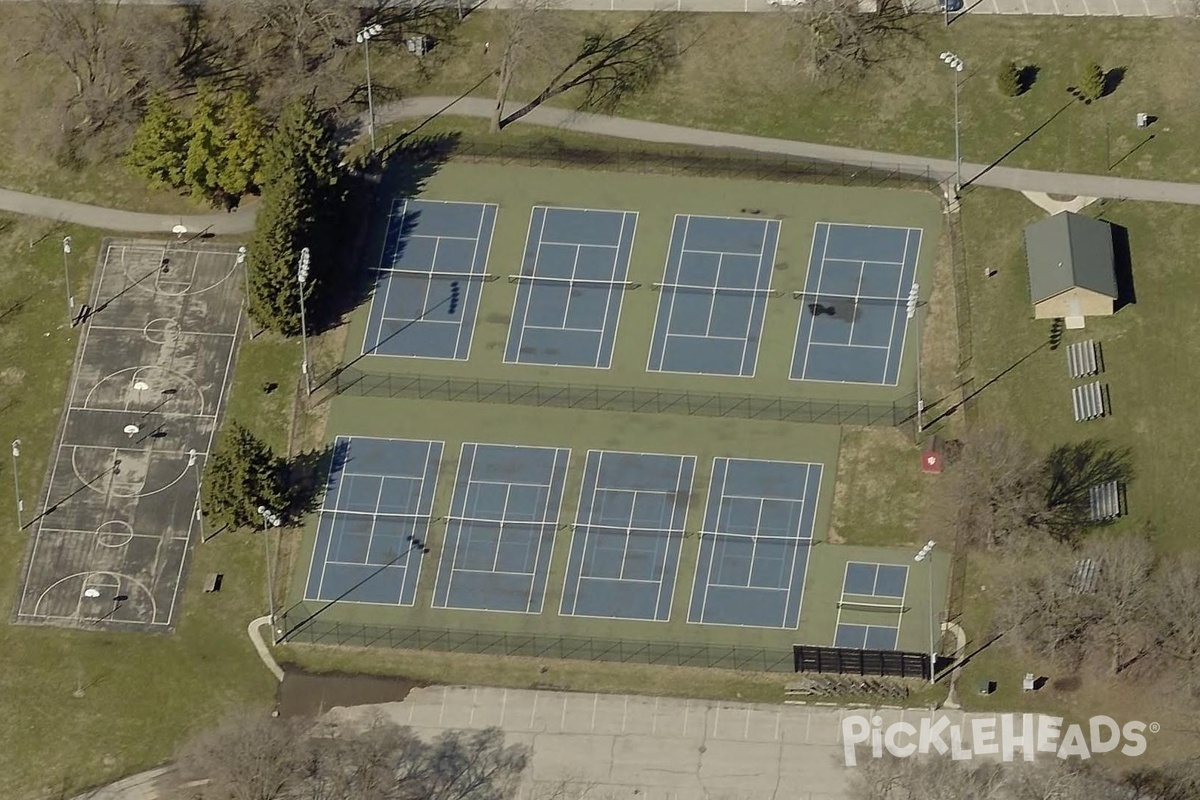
(591, 506)
(661, 299)
(766, 298)
(796, 553)
(608, 297)
(712, 552)
(127, 412)
(571, 330)
(109, 447)
(704, 336)
(640, 581)
(582, 244)
(687, 250)
(820, 274)
(887, 361)
(473, 571)
(856, 347)
(329, 543)
(387, 292)
(471, 288)
(712, 301)
(672, 540)
(861, 226)
(528, 287)
(671, 307)
(537, 555)
(177, 332)
(620, 300)
(436, 236)
(513, 483)
(458, 534)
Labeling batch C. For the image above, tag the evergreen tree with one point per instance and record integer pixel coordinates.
(1009, 79)
(160, 145)
(284, 221)
(1091, 82)
(242, 475)
(207, 140)
(304, 140)
(240, 165)
(300, 191)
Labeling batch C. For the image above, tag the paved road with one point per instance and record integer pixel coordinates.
(1001, 177)
(242, 220)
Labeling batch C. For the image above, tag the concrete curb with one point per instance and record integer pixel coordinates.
(254, 629)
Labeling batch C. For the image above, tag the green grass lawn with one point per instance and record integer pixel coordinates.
(742, 74)
(1148, 348)
(141, 694)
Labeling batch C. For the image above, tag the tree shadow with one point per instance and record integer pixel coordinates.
(1071, 471)
(360, 228)
(307, 477)
(1027, 76)
(1112, 79)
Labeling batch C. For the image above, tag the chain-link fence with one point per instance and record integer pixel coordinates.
(355, 382)
(585, 648)
(699, 161)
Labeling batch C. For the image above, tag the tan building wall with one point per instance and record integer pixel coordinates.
(1074, 303)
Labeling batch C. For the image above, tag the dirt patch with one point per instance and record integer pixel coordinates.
(879, 492)
(308, 694)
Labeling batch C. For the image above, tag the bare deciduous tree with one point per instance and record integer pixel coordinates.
(992, 493)
(1177, 607)
(941, 778)
(608, 65)
(1124, 596)
(840, 40)
(256, 758)
(247, 758)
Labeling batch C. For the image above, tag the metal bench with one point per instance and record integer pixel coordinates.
(1090, 401)
(1105, 499)
(213, 582)
(1083, 359)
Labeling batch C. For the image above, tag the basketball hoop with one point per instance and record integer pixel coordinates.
(131, 430)
(92, 593)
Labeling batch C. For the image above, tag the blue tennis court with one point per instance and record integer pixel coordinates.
(628, 532)
(373, 521)
(853, 310)
(754, 546)
(433, 249)
(713, 296)
(871, 606)
(570, 287)
(500, 532)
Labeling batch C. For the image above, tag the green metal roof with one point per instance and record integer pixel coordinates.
(1068, 251)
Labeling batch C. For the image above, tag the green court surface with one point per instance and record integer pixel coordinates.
(657, 199)
(823, 572)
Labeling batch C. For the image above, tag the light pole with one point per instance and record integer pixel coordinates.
(270, 520)
(364, 36)
(301, 278)
(241, 262)
(955, 63)
(913, 301)
(66, 244)
(16, 453)
(199, 503)
(925, 554)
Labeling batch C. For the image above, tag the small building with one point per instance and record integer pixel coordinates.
(1072, 268)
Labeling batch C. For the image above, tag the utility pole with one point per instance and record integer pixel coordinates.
(66, 248)
(364, 36)
(16, 454)
(301, 278)
(912, 303)
(925, 554)
(955, 63)
(270, 520)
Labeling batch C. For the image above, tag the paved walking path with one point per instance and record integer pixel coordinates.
(242, 220)
(112, 219)
(1001, 177)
